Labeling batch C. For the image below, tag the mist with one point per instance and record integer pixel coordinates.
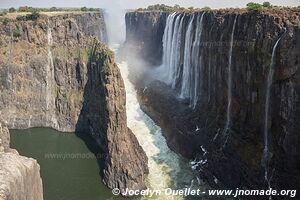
(115, 22)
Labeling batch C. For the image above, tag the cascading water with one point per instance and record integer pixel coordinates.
(174, 49)
(49, 66)
(166, 168)
(186, 73)
(196, 64)
(266, 153)
(229, 94)
(182, 72)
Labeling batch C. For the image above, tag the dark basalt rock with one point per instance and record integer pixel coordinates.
(66, 79)
(144, 32)
(237, 162)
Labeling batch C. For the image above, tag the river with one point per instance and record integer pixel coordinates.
(69, 170)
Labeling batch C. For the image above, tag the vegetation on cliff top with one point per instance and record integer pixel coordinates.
(166, 8)
(256, 7)
(34, 15)
(30, 9)
(251, 7)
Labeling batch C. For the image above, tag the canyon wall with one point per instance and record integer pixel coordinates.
(56, 73)
(144, 31)
(242, 42)
(19, 176)
(44, 69)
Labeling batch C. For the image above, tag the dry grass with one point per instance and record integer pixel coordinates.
(55, 13)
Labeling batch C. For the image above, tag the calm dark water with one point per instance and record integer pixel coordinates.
(68, 169)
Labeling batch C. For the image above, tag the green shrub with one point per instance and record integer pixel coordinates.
(21, 18)
(23, 9)
(16, 32)
(84, 9)
(267, 4)
(5, 21)
(163, 7)
(206, 8)
(93, 9)
(12, 10)
(107, 53)
(254, 7)
(33, 16)
(30, 9)
(52, 9)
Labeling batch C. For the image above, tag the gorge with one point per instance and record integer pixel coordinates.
(229, 78)
(193, 98)
(56, 73)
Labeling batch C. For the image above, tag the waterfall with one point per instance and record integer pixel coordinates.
(266, 153)
(229, 94)
(186, 74)
(49, 66)
(176, 68)
(174, 49)
(183, 72)
(166, 168)
(167, 44)
(210, 70)
(196, 64)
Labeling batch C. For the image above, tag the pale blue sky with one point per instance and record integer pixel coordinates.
(138, 3)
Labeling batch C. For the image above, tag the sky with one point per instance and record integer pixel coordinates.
(139, 3)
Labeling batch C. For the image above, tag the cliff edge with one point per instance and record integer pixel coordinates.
(19, 175)
(243, 44)
(57, 72)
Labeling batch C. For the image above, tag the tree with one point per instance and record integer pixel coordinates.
(12, 10)
(53, 9)
(84, 9)
(33, 16)
(23, 9)
(267, 4)
(30, 9)
(254, 7)
(206, 8)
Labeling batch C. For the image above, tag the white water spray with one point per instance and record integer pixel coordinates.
(229, 95)
(181, 65)
(266, 153)
(165, 166)
(197, 67)
(49, 69)
(186, 81)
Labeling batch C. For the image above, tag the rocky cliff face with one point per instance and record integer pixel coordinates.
(144, 31)
(103, 115)
(55, 73)
(44, 69)
(235, 157)
(19, 176)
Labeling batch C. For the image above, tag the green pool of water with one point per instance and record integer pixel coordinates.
(68, 168)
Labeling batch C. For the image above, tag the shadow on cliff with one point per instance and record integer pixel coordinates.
(91, 120)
